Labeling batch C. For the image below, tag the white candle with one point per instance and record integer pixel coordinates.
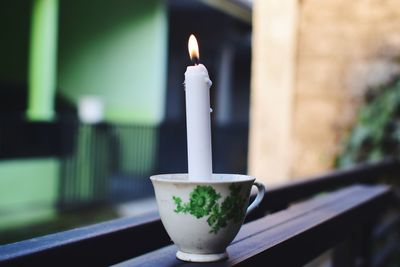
(197, 92)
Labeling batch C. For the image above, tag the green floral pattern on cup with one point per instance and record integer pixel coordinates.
(203, 202)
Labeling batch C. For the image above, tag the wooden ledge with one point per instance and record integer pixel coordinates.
(293, 236)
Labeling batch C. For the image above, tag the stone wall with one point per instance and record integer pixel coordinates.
(343, 47)
(312, 62)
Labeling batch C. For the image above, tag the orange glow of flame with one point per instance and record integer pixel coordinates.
(193, 48)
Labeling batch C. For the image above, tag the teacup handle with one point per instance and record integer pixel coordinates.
(259, 197)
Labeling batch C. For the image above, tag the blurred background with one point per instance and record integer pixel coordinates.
(92, 98)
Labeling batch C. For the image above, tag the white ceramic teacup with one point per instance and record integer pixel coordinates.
(203, 217)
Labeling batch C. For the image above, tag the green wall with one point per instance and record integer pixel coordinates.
(28, 191)
(115, 50)
(28, 187)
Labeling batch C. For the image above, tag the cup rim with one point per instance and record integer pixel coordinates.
(218, 178)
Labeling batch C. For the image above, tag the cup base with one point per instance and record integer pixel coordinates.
(192, 257)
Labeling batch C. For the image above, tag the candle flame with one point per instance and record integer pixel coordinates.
(193, 49)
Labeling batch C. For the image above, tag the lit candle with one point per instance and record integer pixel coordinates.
(197, 92)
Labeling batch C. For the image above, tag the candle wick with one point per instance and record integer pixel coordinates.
(196, 61)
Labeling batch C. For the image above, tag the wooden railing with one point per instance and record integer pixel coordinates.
(340, 210)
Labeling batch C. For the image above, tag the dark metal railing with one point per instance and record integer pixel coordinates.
(112, 162)
(108, 163)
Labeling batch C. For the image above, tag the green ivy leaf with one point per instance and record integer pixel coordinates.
(376, 133)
